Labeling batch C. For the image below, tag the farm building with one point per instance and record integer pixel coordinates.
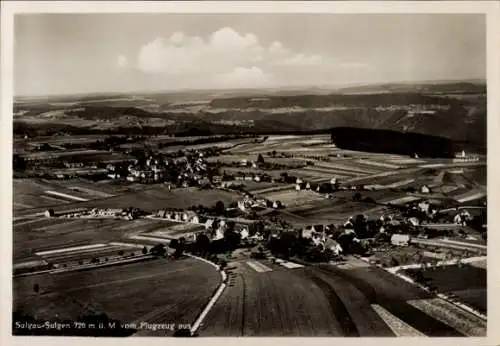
(333, 246)
(307, 232)
(462, 218)
(425, 189)
(244, 233)
(424, 206)
(414, 221)
(400, 239)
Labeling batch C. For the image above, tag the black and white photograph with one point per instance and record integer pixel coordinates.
(249, 174)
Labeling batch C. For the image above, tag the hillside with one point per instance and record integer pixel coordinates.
(456, 111)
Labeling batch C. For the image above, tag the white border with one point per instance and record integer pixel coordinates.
(491, 8)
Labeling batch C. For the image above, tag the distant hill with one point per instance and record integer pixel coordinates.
(455, 110)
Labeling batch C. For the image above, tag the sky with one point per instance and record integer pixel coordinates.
(86, 53)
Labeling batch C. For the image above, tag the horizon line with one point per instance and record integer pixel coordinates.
(333, 87)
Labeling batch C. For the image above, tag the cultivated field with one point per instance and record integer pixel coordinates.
(471, 288)
(291, 198)
(152, 199)
(265, 299)
(50, 234)
(158, 291)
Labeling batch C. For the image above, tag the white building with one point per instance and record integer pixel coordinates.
(414, 221)
(424, 206)
(400, 239)
(333, 246)
(425, 189)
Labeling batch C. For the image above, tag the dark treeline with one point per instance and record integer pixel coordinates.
(394, 142)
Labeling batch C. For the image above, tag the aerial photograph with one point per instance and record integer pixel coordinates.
(249, 175)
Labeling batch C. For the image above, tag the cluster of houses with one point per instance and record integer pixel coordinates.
(214, 227)
(250, 203)
(320, 239)
(186, 171)
(462, 218)
(465, 157)
(126, 214)
(254, 177)
(300, 184)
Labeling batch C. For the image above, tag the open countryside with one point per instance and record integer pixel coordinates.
(249, 210)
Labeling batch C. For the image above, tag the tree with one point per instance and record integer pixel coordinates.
(219, 208)
(232, 239)
(36, 288)
(260, 159)
(356, 197)
(174, 243)
(202, 244)
(144, 250)
(158, 250)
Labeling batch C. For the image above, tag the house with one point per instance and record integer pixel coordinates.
(299, 181)
(244, 233)
(462, 218)
(414, 221)
(219, 234)
(297, 187)
(241, 206)
(333, 181)
(333, 246)
(209, 223)
(194, 219)
(277, 204)
(161, 213)
(307, 232)
(308, 186)
(425, 189)
(424, 206)
(400, 239)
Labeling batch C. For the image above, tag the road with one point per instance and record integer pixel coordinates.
(320, 300)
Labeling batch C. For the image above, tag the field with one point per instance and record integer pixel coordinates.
(327, 211)
(176, 230)
(50, 234)
(284, 303)
(41, 193)
(158, 291)
(471, 288)
(292, 198)
(317, 300)
(152, 199)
